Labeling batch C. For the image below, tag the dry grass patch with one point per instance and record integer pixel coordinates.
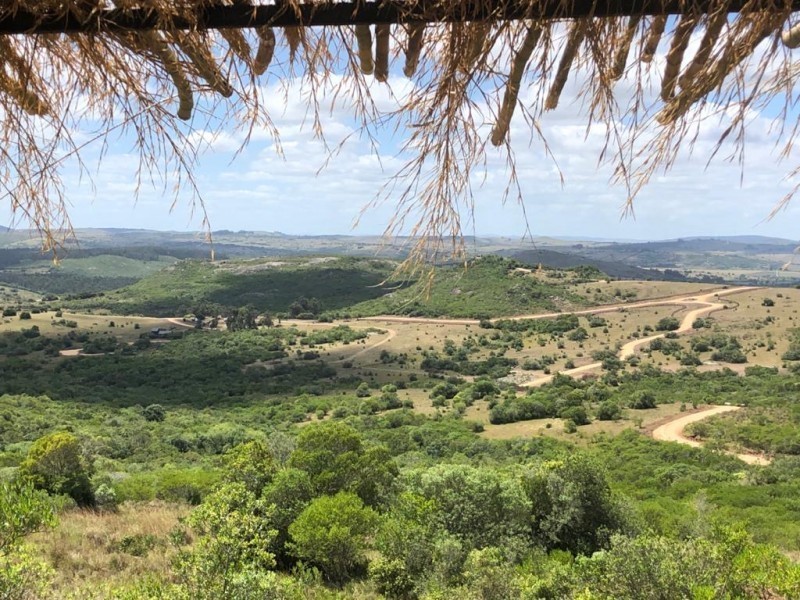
(124, 326)
(604, 291)
(555, 427)
(92, 552)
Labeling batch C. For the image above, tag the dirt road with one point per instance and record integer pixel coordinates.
(680, 300)
(672, 431)
(370, 347)
(706, 306)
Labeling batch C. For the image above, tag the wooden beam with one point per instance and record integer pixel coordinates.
(352, 13)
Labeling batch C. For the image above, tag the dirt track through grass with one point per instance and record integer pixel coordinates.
(672, 431)
(707, 306)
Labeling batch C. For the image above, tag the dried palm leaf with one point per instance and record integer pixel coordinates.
(576, 34)
(382, 34)
(518, 65)
(477, 37)
(623, 48)
(266, 49)
(19, 88)
(716, 22)
(791, 37)
(237, 43)
(294, 37)
(416, 35)
(22, 95)
(198, 52)
(680, 40)
(364, 41)
(657, 26)
(754, 30)
(157, 45)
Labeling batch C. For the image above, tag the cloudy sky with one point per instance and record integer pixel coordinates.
(309, 190)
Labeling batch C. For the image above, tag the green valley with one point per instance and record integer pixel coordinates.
(289, 428)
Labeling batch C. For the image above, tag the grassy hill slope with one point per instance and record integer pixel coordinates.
(267, 284)
(491, 286)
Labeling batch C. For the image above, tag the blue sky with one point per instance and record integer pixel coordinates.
(256, 189)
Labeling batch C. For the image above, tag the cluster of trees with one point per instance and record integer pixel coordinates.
(335, 497)
(271, 288)
(560, 324)
(494, 366)
(407, 506)
(724, 348)
(342, 508)
(197, 369)
(305, 308)
(793, 351)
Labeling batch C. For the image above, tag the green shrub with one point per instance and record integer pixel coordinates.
(332, 532)
(609, 411)
(56, 464)
(668, 324)
(154, 413)
(643, 400)
(139, 544)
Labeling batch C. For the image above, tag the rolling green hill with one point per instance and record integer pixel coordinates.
(266, 284)
(83, 271)
(490, 287)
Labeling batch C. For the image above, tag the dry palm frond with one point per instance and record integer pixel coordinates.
(791, 37)
(237, 43)
(123, 81)
(266, 50)
(477, 35)
(716, 22)
(574, 39)
(22, 95)
(382, 35)
(753, 29)
(680, 40)
(154, 42)
(518, 65)
(364, 41)
(416, 34)
(624, 47)
(294, 37)
(654, 34)
(19, 88)
(197, 51)
(170, 62)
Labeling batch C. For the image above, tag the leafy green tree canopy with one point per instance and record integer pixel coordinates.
(332, 533)
(573, 508)
(56, 464)
(336, 458)
(480, 506)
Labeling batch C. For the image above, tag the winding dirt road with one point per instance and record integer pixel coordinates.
(672, 431)
(680, 300)
(705, 306)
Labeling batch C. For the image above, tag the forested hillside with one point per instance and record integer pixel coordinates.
(266, 284)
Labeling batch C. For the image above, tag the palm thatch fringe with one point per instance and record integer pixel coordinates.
(124, 68)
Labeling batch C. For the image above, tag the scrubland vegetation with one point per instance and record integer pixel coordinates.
(299, 459)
